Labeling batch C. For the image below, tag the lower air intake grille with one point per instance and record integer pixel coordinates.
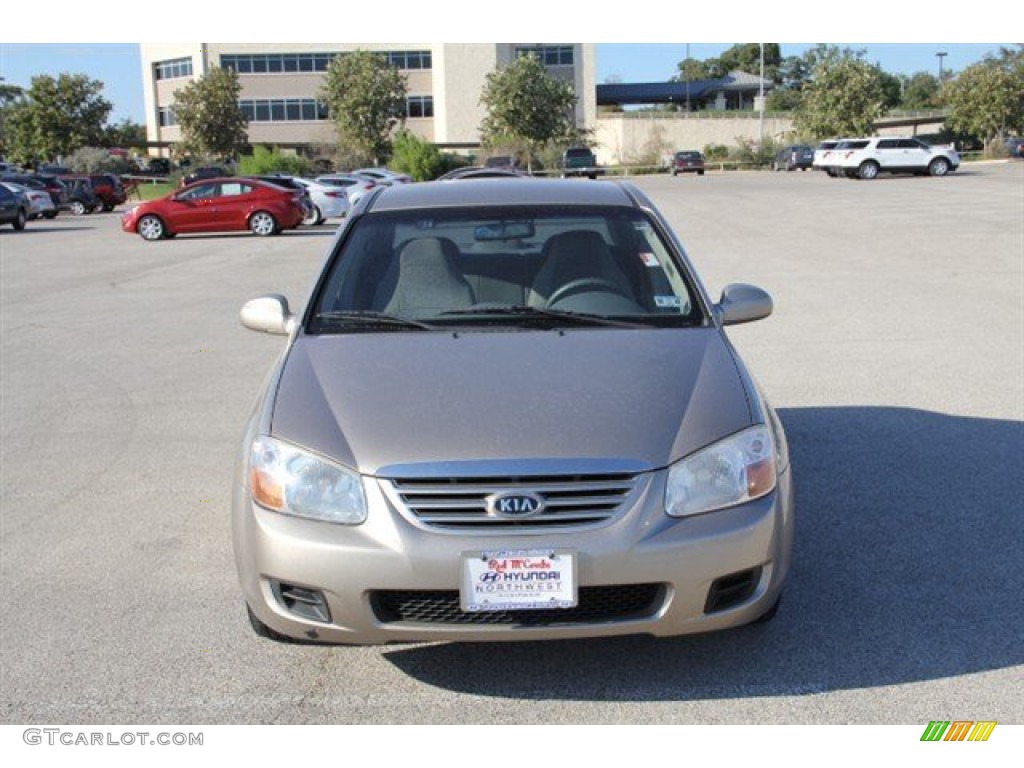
(596, 604)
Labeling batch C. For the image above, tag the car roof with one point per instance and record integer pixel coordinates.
(496, 192)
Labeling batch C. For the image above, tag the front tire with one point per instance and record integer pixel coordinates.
(151, 228)
(768, 615)
(938, 167)
(263, 224)
(868, 170)
(20, 219)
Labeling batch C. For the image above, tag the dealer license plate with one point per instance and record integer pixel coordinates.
(518, 580)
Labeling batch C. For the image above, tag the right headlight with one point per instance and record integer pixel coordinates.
(285, 478)
(739, 468)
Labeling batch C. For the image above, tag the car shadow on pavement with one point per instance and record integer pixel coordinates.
(907, 568)
(37, 229)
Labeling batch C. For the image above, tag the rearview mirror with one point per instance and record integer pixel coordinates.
(742, 303)
(269, 314)
(504, 230)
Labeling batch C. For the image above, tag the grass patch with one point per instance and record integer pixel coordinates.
(150, 191)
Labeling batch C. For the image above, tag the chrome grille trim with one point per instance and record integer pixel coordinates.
(459, 502)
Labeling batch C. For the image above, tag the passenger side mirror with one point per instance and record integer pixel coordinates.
(269, 314)
(742, 303)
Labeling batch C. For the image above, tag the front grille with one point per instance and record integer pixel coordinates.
(462, 502)
(596, 604)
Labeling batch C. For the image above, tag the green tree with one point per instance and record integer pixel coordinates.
(920, 91)
(526, 105)
(745, 57)
(892, 89)
(9, 95)
(56, 116)
(843, 98)
(692, 69)
(125, 133)
(985, 100)
(366, 97)
(212, 124)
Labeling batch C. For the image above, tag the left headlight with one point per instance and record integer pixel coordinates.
(287, 479)
(739, 468)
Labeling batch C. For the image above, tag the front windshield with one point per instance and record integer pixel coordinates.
(503, 267)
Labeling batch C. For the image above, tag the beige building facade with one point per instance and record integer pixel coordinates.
(281, 83)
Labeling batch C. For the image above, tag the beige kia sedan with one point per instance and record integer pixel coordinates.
(509, 412)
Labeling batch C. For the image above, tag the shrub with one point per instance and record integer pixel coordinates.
(97, 160)
(748, 151)
(715, 151)
(264, 160)
(416, 157)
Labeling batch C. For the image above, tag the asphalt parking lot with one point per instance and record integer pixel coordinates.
(894, 357)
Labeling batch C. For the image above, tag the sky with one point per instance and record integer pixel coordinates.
(27, 47)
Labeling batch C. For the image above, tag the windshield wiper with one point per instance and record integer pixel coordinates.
(367, 318)
(519, 310)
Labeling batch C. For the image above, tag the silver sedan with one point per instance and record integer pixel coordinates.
(509, 411)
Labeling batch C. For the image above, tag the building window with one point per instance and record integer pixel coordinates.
(273, 63)
(409, 59)
(419, 106)
(283, 110)
(549, 55)
(165, 70)
(165, 117)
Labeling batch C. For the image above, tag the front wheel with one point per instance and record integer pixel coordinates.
(868, 170)
(150, 228)
(262, 223)
(939, 167)
(19, 220)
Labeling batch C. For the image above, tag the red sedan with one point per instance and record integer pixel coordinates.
(217, 205)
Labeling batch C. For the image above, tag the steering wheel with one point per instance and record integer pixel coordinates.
(586, 284)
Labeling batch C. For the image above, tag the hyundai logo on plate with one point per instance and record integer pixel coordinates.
(514, 505)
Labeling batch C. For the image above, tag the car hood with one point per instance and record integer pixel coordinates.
(375, 400)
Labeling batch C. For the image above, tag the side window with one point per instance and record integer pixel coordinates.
(234, 188)
(202, 192)
(888, 144)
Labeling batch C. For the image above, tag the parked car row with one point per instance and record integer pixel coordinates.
(14, 207)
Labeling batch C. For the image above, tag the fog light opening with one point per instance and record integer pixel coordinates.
(731, 590)
(310, 604)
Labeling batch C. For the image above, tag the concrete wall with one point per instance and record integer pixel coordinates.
(625, 140)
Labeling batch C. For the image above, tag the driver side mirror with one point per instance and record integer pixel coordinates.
(742, 303)
(269, 314)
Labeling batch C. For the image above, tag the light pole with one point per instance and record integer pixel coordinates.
(941, 55)
(760, 121)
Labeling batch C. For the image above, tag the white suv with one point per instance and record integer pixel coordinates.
(866, 158)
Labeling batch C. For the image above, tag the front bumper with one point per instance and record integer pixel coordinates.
(684, 560)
